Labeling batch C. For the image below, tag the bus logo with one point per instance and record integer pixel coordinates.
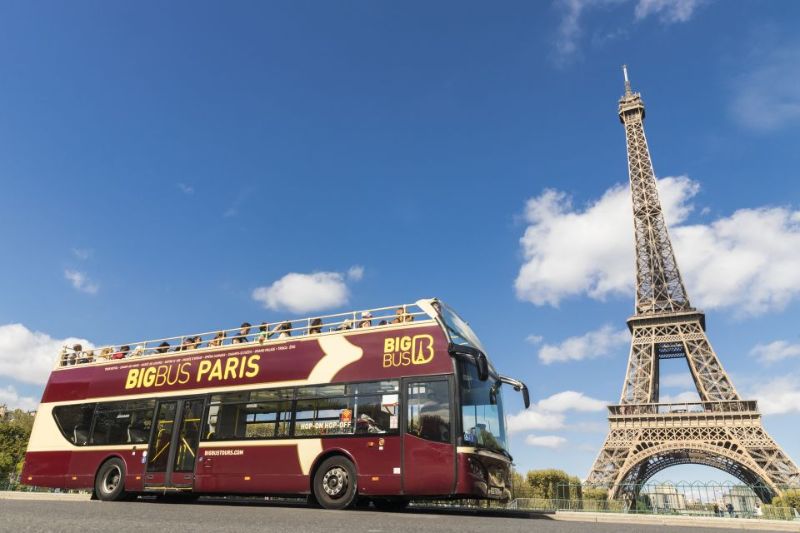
(407, 350)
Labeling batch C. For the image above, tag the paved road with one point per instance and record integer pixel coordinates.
(141, 516)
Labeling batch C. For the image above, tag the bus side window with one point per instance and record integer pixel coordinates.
(74, 421)
(429, 410)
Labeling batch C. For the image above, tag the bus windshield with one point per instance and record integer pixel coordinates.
(481, 410)
(457, 329)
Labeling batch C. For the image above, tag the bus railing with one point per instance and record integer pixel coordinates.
(254, 334)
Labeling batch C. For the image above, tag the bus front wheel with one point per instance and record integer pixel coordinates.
(335, 485)
(109, 485)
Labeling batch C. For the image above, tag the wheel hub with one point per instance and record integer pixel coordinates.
(112, 479)
(335, 481)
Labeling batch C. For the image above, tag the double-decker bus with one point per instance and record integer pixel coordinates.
(387, 404)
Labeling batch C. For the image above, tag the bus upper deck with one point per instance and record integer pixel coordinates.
(247, 333)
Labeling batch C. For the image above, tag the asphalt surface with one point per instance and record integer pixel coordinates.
(140, 516)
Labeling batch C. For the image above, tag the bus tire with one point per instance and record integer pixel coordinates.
(335, 483)
(109, 484)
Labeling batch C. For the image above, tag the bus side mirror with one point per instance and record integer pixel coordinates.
(526, 399)
(483, 366)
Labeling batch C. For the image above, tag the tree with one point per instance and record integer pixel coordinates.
(550, 483)
(15, 430)
(790, 498)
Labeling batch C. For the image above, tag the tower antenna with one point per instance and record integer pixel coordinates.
(627, 81)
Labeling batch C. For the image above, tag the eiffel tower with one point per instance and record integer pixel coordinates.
(721, 430)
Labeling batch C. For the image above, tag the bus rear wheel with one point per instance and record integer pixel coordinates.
(335, 485)
(109, 484)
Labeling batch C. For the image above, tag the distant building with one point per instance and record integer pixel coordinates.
(665, 498)
(742, 497)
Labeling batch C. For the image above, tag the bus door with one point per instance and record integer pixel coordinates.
(173, 444)
(428, 450)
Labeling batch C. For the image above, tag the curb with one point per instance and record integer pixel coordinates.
(44, 496)
(685, 521)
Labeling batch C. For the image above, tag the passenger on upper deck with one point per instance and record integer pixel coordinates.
(347, 324)
(163, 347)
(218, 339)
(138, 351)
(88, 357)
(77, 354)
(241, 337)
(263, 333)
(122, 353)
(284, 330)
(366, 320)
(106, 352)
(401, 316)
(315, 327)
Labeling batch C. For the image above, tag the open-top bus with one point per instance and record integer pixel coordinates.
(336, 408)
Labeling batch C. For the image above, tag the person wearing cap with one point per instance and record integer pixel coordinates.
(138, 351)
(366, 320)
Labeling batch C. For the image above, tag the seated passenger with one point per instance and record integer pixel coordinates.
(315, 326)
(218, 339)
(106, 352)
(163, 347)
(284, 329)
(122, 353)
(196, 342)
(77, 354)
(63, 357)
(138, 351)
(186, 344)
(401, 316)
(263, 333)
(347, 324)
(366, 320)
(241, 337)
(88, 357)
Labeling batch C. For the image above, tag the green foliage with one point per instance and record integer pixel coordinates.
(790, 498)
(15, 430)
(552, 483)
(595, 494)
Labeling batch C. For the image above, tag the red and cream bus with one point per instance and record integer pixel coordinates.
(387, 404)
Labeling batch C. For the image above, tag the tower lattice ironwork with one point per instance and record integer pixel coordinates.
(721, 430)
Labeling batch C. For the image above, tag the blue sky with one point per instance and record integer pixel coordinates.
(161, 162)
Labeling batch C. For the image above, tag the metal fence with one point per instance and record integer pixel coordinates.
(700, 499)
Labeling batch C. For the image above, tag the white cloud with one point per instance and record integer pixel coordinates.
(302, 293)
(81, 281)
(548, 413)
(670, 10)
(186, 189)
(545, 441)
(10, 397)
(533, 418)
(534, 339)
(775, 351)
(590, 345)
(768, 97)
(355, 273)
(778, 396)
(689, 396)
(570, 28)
(81, 253)
(571, 401)
(746, 261)
(680, 380)
(29, 356)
